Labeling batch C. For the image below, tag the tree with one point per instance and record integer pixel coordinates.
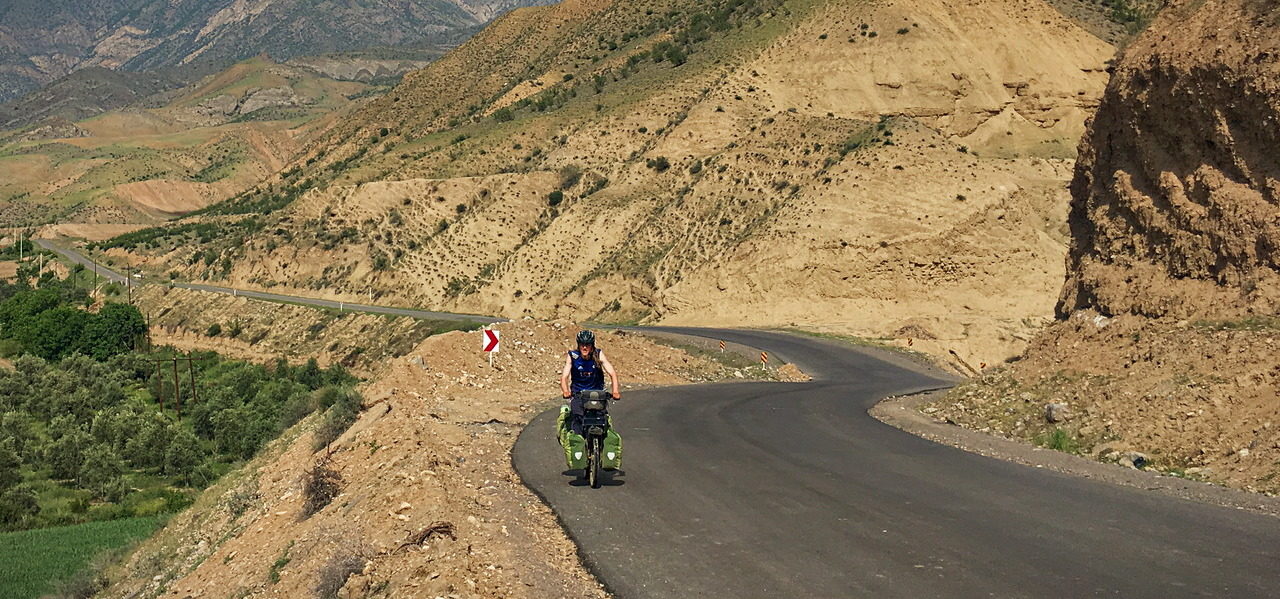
(53, 334)
(148, 445)
(184, 453)
(102, 473)
(10, 466)
(65, 454)
(16, 506)
(115, 330)
(16, 428)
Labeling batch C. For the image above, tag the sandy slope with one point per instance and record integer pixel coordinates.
(431, 450)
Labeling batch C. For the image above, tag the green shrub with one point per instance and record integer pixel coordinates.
(337, 419)
(214, 330)
(1059, 440)
(660, 164)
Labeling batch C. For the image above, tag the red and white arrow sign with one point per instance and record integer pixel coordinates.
(490, 340)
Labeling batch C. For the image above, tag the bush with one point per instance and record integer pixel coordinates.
(660, 164)
(214, 330)
(337, 419)
(554, 198)
(337, 570)
(319, 486)
(569, 176)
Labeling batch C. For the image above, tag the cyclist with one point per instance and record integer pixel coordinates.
(584, 370)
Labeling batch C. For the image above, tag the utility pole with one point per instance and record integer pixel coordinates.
(177, 389)
(191, 370)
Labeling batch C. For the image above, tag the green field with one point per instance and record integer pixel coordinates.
(33, 562)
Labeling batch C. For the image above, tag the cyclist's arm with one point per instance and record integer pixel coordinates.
(613, 375)
(564, 376)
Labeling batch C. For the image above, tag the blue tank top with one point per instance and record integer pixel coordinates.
(585, 373)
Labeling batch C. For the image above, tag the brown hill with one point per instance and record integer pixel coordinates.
(895, 170)
(1171, 311)
(1177, 209)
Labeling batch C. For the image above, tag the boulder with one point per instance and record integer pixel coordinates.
(1057, 412)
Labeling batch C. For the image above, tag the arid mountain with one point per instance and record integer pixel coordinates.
(138, 166)
(42, 40)
(83, 94)
(1168, 346)
(895, 170)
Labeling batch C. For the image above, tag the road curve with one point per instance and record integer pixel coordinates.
(793, 490)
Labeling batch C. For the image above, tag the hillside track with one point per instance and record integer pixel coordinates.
(793, 490)
(116, 277)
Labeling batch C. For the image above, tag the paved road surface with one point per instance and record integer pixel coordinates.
(793, 490)
(307, 301)
(77, 258)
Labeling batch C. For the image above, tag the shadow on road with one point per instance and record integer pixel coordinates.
(608, 478)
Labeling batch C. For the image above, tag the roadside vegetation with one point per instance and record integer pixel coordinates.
(93, 429)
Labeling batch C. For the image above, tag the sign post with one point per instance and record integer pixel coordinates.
(490, 343)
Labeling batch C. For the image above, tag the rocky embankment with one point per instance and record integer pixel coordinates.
(1166, 350)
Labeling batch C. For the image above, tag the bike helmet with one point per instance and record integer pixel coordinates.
(587, 338)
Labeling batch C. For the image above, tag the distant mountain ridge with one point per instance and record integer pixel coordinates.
(43, 40)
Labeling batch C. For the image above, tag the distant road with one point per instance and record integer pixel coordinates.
(116, 277)
(78, 258)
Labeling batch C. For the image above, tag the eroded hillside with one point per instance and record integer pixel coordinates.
(1168, 352)
(895, 170)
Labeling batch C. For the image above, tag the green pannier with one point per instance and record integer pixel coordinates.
(575, 446)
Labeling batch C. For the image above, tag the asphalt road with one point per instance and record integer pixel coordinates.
(793, 490)
(77, 258)
(111, 275)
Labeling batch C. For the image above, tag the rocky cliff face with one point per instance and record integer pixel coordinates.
(1176, 209)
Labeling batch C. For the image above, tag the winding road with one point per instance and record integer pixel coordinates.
(793, 490)
(111, 275)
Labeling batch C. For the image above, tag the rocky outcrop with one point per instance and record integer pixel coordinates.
(1176, 197)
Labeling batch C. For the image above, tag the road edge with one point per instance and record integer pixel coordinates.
(903, 412)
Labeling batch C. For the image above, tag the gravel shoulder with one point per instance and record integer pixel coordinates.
(903, 412)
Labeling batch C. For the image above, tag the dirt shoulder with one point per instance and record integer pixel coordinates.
(1193, 404)
(905, 412)
(427, 504)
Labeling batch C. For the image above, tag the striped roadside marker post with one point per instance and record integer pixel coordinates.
(764, 358)
(722, 346)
